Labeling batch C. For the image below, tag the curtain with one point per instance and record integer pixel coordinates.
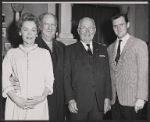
(101, 15)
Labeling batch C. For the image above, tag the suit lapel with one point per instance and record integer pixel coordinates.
(95, 51)
(95, 55)
(114, 53)
(81, 50)
(41, 43)
(82, 54)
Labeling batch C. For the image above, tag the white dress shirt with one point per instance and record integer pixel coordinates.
(86, 47)
(123, 42)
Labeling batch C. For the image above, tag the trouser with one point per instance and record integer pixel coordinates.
(93, 114)
(120, 112)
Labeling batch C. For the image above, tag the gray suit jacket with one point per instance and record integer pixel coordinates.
(130, 76)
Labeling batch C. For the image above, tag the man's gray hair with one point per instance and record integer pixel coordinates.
(44, 14)
(87, 19)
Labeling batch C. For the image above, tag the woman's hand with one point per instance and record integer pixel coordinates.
(28, 103)
(15, 83)
(19, 101)
(33, 101)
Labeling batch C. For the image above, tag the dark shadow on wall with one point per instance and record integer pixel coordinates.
(109, 35)
(13, 35)
(102, 16)
(74, 29)
(14, 38)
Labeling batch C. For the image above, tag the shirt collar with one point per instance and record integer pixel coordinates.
(125, 38)
(48, 43)
(123, 42)
(28, 49)
(85, 46)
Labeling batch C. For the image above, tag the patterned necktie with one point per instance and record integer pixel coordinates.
(118, 52)
(89, 49)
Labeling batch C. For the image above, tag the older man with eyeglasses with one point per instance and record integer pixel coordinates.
(86, 75)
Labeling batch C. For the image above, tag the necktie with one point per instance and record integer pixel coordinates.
(89, 49)
(118, 52)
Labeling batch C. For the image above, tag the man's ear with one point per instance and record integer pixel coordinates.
(95, 30)
(78, 30)
(128, 24)
(19, 33)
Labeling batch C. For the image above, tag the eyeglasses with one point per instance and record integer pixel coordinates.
(90, 29)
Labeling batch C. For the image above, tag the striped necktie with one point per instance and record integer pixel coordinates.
(89, 49)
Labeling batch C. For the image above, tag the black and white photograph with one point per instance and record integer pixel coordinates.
(75, 61)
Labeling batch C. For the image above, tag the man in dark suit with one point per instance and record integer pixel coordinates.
(87, 77)
(48, 25)
(46, 40)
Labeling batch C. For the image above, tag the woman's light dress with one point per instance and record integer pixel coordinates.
(33, 68)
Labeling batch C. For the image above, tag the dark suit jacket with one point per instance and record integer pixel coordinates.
(56, 100)
(82, 80)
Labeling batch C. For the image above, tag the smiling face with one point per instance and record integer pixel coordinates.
(86, 30)
(48, 27)
(120, 27)
(29, 33)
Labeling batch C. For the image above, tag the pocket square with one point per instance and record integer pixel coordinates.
(101, 55)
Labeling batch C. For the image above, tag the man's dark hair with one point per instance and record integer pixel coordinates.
(120, 15)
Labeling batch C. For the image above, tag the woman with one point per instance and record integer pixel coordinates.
(32, 66)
